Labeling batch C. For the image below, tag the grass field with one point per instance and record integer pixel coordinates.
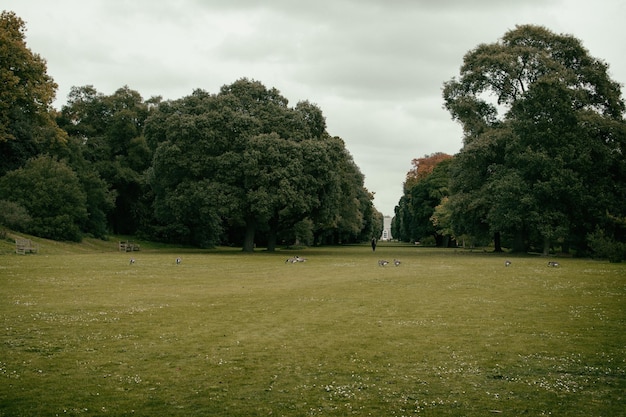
(231, 334)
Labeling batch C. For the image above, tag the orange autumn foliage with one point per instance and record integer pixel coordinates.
(423, 167)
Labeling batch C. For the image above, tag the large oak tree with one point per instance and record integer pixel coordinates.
(243, 161)
(108, 131)
(543, 156)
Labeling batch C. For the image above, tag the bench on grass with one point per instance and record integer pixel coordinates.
(24, 246)
(128, 246)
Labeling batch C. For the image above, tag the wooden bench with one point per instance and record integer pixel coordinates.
(24, 246)
(128, 247)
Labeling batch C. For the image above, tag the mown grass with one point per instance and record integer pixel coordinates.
(229, 334)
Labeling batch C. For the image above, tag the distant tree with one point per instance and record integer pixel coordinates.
(470, 199)
(27, 126)
(422, 167)
(52, 195)
(185, 177)
(544, 139)
(351, 218)
(29, 132)
(242, 164)
(425, 186)
(322, 161)
(374, 219)
(272, 170)
(401, 222)
(230, 142)
(426, 196)
(108, 131)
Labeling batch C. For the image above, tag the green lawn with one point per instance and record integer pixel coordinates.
(231, 334)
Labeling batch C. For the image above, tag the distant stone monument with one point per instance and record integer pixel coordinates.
(386, 235)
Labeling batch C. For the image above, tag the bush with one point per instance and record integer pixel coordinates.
(13, 215)
(428, 241)
(50, 192)
(606, 247)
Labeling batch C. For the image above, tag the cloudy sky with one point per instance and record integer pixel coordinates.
(375, 67)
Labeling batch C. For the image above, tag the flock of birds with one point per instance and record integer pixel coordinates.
(179, 260)
(396, 262)
(381, 262)
(552, 264)
(384, 262)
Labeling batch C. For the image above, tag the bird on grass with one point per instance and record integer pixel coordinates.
(295, 259)
(383, 262)
(553, 264)
(178, 261)
(132, 261)
(396, 262)
(507, 263)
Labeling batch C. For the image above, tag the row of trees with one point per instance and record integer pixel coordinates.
(543, 161)
(236, 167)
(426, 186)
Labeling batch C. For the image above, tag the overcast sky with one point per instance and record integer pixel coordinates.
(374, 67)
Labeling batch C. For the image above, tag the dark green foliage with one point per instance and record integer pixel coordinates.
(425, 189)
(29, 132)
(27, 125)
(237, 167)
(542, 165)
(108, 130)
(243, 160)
(51, 194)
(14, 216)
(604, 246)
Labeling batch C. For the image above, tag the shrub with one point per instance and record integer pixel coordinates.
(604, 246)
(13, 215)
(51, 193)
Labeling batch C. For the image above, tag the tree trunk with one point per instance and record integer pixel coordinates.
(248, 240)
(497, 242)
(519, 244)
(271, 240)
(546, 246)
(272, 234)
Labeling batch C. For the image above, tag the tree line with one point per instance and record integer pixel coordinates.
(236, 167)
(542, 165)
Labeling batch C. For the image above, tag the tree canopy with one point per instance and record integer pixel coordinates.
(27, 126)
(236, 167)
(426, 186)
(52, 195)
(108, 132)
(243, 160)
(543, 160)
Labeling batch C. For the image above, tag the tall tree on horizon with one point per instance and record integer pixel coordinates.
(243, 162)
(544, 130)
(27, 124)
(425, 187)
(108, 130)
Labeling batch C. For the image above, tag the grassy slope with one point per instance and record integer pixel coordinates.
(225, 333)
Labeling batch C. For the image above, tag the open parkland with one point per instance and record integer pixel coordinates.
(447, 332)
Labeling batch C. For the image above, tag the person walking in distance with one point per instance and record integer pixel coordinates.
(373, 244)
